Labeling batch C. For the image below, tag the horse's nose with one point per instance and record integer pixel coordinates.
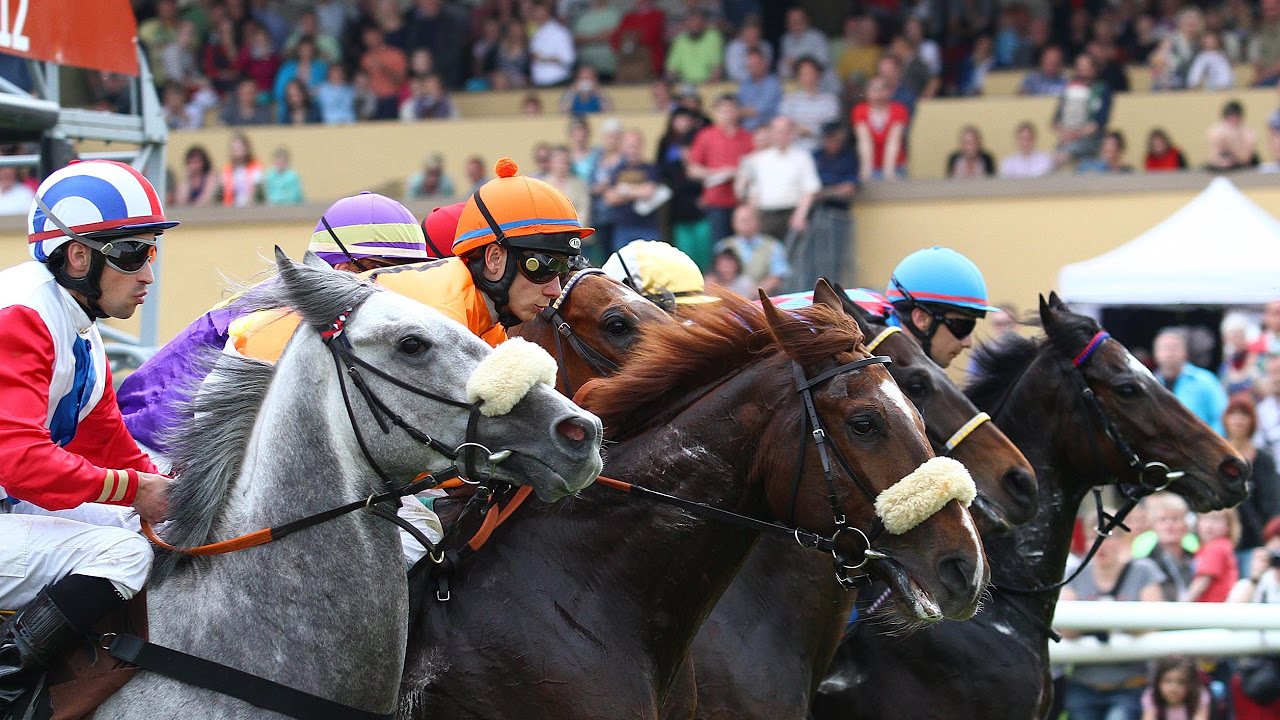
(1234, 473)
(958, 574)
(576, 434)
(1020, 486)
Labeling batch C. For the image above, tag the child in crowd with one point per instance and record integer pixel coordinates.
(1216, 567)
(282, 184)
(1175, 692)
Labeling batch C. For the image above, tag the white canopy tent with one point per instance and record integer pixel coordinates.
(1220, 249)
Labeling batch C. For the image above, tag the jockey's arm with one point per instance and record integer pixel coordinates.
(32, 467)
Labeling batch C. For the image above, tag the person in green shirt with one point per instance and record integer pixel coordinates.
(281, 182)
(697, 54)
(592, 32)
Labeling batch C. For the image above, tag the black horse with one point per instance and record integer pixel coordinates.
(996, 665)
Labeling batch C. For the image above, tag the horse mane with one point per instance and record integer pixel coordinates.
(208, 449)
(670, 361)
(998, 364)
(316, 292)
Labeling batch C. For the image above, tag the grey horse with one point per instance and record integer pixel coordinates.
(325, 610)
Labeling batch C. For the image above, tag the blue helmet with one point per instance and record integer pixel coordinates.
(940, 276)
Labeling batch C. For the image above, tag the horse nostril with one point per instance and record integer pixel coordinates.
(1021, 486)
(957, 574)
(1233, 470)
(572, 430)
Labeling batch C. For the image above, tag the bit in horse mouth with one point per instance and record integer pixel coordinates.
(910, 592)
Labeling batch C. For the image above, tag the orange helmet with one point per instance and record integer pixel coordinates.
(522, 212)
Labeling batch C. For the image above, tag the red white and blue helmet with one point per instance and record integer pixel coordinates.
(99, 199)
(940, 276)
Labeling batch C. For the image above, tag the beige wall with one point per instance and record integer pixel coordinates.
(1020, 242)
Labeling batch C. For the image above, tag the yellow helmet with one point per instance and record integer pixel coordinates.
(659, 272)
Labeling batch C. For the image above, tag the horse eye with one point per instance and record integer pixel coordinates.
(615, 326)
(412, 345)
(862, 426)
(916, 388)
(1127, 390)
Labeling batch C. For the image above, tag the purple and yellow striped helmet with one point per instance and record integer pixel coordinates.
(368, 225)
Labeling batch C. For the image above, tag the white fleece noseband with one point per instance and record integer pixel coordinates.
(508, 374)
(916, 497)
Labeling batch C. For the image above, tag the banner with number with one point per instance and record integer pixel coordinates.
(94, 34)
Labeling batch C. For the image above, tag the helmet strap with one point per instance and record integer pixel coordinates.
(351, 258)
(925, 337)
(499, 291)
(90, 286)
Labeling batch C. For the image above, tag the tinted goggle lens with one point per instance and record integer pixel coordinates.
(129, 256)
(961, 328)
(541, 268)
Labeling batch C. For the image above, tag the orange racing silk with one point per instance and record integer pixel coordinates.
(445, 285)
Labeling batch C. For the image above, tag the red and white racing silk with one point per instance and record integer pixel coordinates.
(62, 440)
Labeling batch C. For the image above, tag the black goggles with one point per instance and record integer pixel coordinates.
(541, 268)
(128, 256)
(960, 328)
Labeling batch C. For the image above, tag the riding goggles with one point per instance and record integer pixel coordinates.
(541, 268)
(960, 327)
(128, 256)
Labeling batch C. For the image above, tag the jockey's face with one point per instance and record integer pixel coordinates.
(121, 293)
(945, 346)
(525, 299)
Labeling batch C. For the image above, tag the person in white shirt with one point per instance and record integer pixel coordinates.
(808, 106)
(1028, 161)
(1211, 69)
(786, 182)
(550, 49)
(15, 197)
(801, 40)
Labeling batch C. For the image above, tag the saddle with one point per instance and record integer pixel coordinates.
(86, 675)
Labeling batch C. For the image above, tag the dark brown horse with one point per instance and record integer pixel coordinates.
(785, 611)
(586, 608)
(996, 665)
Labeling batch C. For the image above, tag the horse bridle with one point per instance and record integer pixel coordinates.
(812, 425)
(964, 430)
(349, 365)
(599, 364)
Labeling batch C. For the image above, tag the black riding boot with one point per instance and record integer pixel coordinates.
(35, 636)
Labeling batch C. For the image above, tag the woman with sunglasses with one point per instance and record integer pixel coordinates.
(69, 471)
(938, 296)
(356, 234)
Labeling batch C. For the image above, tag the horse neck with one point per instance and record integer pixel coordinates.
(669, 568)
(333, 593)
(1035, 554)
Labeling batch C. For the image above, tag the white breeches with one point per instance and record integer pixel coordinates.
(39, 547)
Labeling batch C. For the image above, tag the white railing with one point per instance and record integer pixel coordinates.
(1206, 629)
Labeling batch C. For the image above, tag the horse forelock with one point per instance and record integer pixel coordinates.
(319, 296)
(671, 361)
(996, 367)
(208, 449)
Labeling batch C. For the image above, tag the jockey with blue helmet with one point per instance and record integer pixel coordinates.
(356, 234)
(69, 471)
(938, 296)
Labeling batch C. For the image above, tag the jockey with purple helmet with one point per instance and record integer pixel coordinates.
(70, 474)
(358, 233)
(937, 295)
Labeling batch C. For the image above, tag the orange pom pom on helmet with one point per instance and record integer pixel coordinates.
(521, 212)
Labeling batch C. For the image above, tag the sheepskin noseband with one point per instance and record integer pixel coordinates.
(508, 374)
(916, 497)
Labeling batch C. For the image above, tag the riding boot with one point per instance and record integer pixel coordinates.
(34, 637)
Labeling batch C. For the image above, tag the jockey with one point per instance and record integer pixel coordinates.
(356, 234)
(938, 296)
(69, 471)
(515, 237)
(660, 272)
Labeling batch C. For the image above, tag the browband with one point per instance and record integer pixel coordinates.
(871, 346)
(966, 430)
(1089, 349)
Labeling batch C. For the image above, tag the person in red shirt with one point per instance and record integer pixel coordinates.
(1216, 567)
(1162, 154)
(257, 60)
(880, 125)
(714, 157)
(646, 24)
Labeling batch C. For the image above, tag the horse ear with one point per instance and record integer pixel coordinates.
(311, 259)
(824, 295)
(771, 314)
(319, 294)
(1046, 313)
(1058, 303)
(861, 315)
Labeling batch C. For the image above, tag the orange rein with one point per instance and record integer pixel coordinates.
(264, 536)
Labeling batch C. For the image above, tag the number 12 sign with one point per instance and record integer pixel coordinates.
(94, 34)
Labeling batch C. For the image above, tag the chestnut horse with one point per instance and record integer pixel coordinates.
(585, 609)
(785, 611)
(996, 665)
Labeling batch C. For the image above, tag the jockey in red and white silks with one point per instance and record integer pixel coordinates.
(69, 470)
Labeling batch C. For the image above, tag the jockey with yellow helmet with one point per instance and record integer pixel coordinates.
(660, 272)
